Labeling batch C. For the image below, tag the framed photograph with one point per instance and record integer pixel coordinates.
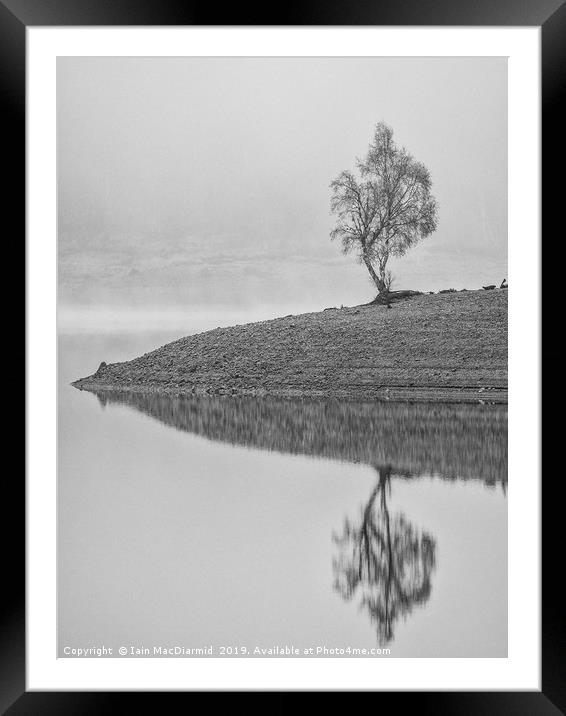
(283, 354)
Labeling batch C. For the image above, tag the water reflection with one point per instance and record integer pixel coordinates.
(383, 561)
(449, 441)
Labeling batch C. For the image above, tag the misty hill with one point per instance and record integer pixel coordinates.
(452, 441)
(441, 347)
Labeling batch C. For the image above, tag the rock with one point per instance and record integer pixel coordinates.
(393, 296)
(102, 366)
(490, 287)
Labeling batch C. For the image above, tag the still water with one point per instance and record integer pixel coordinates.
(223, 522)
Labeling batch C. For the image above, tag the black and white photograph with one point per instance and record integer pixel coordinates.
(282, 357)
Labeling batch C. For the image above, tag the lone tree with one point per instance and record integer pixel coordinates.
(385, 209)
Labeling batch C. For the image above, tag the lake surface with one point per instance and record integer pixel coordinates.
(249, 523)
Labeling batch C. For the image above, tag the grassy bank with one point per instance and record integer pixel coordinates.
(444, 347)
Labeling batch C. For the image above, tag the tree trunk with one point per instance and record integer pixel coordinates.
(381, 287)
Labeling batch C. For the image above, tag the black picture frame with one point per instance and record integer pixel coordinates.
(15, 17)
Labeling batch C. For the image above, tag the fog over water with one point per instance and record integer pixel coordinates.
(191, 183)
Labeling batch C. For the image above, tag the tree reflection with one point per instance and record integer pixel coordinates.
(383, 561)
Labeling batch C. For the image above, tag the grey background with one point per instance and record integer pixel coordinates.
(201, 184)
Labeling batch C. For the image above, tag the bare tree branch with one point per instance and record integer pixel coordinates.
(386, 209)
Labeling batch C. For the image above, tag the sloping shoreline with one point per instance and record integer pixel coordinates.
(432, 348)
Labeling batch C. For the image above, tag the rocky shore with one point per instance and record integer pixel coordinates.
(446, 347)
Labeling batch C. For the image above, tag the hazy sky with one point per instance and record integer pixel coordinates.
(198, 182)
